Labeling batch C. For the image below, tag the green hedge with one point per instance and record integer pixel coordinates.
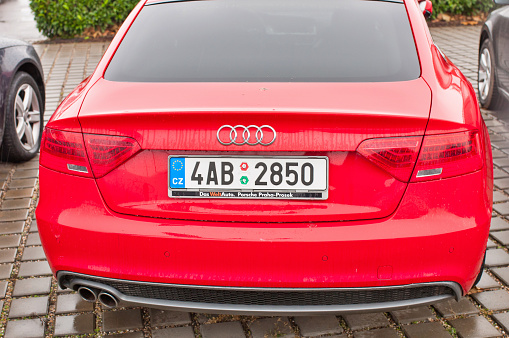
(465, 7)
(69, 18)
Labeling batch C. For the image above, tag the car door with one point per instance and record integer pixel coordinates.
(501, 43)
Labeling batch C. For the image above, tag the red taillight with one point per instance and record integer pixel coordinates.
(441, 156)
(448, 155)
(65, 152)
(84, 154)
(395, 155)
(108, 152)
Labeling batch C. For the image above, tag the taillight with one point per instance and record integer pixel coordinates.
(108, 152)
(85, 155)
(395, 155)
(441, 156)
(65, 152)
(448, 155)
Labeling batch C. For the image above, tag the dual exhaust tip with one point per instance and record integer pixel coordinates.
(91, 295)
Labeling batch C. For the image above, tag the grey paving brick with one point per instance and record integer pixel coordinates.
(277, 326)
(22, 183)
(137, 334)
(74, 325)
(502, 183)
(33, 226)
(166, 318)
(175, 332)
(122, 320)
(22, 203)
(501, 162)
(32, 286)
(502, 208)
(10, 241)
(499, 173)
(11, 227)
(497, 153)
(28, 269)
(30, 173)
(496, 257)
(5, 271)
(503, 320)
(209, 318)
(32, 164)
(19, 193)
(425, 330)
(13, 215)
(451, 308)
(33, 239)
(493, 300)
(474, 327)
(3, 288)
(490, 244)
(33, 253)
(487, 282)
(499, 196)
(68, 303)
(379, 333)
(498, 223)
(27, 307)
(28, 328)
(502, 274)
(366, 320)
(318, 325)
(222, 330)
(412, 315)
(501, 236)
(7, 255)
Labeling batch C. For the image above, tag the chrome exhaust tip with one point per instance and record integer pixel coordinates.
(108, 300)
(88, 294)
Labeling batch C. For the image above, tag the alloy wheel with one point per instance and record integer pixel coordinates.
(27, 116)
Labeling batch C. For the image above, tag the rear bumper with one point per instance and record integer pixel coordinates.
(263, 301)
(437, 234)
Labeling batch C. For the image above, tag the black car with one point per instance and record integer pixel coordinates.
(21, 100)
(493, 80)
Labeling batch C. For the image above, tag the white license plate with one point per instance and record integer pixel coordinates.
(248, 177)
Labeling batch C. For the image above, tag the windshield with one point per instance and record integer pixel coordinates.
(268, 41)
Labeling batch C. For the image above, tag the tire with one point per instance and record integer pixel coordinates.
(478, 279)
(23, 120)
(487, 89)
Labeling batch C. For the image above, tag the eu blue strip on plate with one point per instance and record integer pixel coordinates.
(177, 172)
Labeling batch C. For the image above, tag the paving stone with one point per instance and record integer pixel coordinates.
(318, 325)
(498, 223)
(33, 226)
(13, 215)
(366, 320)
(32, 286)
(11, 227)
(31, 173)
(451, 307)
(10, 241)
(222, 330)
(487, 282)
(498, 154)
(491, 245)
(27, 307)
(22, 183)
(28, 328)
(277, 326)
(23, 203)
(138, 334)
(175, 332)
(415, 314)
(493, 300)
(425, 330)
(474, 327)
(501, 236)
(502, 183)
(5, 271)
(166, 318)
(34, 163)
(502, 274)
(33, 239)
(121, 320)
(76, 324)
(19, 193)
(33, 253)
(503, 320)
(496, 257)
(209, 318)
(28, 269)
(379, 333)
(7, 255)
(3, 289)
(69, 303)
(499, 173)
(502, 208)
(498, 196)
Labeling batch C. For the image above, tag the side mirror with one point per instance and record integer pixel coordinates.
(501, 2)
(427, 7)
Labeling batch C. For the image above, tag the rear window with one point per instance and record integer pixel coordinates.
(268, 41)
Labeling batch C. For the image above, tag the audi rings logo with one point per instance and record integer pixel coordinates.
(251, 135)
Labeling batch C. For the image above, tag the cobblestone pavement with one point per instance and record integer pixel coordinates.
(33, 306)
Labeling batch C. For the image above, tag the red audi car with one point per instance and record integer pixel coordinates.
(268, 156)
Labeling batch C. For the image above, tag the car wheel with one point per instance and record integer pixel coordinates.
(23, 120)
(489, 96)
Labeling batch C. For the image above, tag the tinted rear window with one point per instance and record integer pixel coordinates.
(268, 41)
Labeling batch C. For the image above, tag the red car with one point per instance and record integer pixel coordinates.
(260, 157)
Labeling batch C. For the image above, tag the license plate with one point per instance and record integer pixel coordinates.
(248, 177)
